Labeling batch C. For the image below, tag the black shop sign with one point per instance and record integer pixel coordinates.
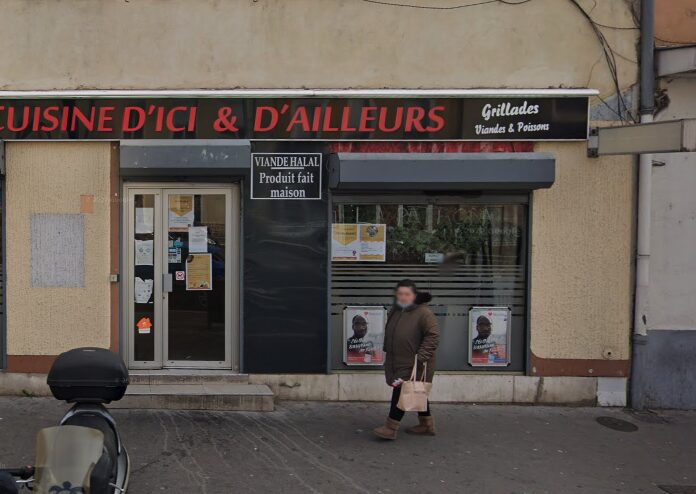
(278, 176)
(515, 118)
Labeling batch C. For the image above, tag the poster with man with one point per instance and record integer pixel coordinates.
(489, 336)
(363, 334)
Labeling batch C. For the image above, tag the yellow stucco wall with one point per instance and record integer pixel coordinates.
(582, 234)
(50, 178)
(310, 43)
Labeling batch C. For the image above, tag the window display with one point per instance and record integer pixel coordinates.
(466, 254)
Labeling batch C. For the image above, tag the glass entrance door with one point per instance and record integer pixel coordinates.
(182, 262)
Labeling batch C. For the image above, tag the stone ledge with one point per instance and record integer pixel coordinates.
(448, 388)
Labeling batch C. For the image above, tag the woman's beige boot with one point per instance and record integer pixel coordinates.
(425, 427)
(388, 430)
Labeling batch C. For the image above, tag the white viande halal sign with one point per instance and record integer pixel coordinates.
(286, 176)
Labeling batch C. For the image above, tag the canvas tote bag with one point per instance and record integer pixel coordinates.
(414, 392)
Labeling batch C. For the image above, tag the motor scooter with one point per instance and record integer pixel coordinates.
(84, 454)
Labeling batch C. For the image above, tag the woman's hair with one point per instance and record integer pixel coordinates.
(406, 283)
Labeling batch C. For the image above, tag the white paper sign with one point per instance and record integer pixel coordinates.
(143, 290)
(143, 252)
(198, 239)
(144, 220)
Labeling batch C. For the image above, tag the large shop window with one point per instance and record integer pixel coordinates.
(467, 252)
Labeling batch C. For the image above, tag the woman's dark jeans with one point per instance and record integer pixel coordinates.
(395, 413)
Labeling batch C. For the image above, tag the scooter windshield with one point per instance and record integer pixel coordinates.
(65, 457)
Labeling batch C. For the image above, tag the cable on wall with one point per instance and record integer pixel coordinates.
(451, 7)
(609, 53)
(610, 56)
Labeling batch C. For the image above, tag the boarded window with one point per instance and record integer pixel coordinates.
(57, 250)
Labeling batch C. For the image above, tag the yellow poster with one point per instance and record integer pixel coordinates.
(373, 243)
(345, 244)
(181, 213)
(199, 272)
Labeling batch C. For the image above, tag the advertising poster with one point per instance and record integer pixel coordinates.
(363, 334)
(199, 272)
(345, 244)
(358, 242)
(489, 336)
(373, 243)
(181, 212)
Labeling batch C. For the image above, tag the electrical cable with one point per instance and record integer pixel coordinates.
(674, 42)
(610, 57)
(451, 7)
(609, 53)
(619, 28)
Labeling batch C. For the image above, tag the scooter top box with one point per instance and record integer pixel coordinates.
(92, 375)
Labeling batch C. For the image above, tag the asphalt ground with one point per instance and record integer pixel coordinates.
(329, 448)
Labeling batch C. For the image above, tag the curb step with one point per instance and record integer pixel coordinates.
(187, 377)
(204, 396)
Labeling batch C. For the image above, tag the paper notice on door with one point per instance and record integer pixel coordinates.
(345, 244)
(144, 220)
(199, 272)
(181, 212)
(174, 255)
(373, 243)
(143, 290)
(143, 252)
(198, 238)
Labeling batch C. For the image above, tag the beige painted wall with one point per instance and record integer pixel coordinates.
(309, 43)
(582, 234)
(675, 22)
(49, 178)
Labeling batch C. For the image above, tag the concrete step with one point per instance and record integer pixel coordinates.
(187, 376)
(206, 396)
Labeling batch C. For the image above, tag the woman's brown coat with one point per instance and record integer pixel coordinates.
(410, 332)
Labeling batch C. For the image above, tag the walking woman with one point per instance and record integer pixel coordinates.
(411, 330)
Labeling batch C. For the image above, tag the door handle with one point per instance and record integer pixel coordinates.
(167, 283)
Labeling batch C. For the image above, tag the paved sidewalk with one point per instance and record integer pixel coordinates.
(329, 448)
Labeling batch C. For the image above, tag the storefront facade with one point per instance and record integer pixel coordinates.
(223, 229)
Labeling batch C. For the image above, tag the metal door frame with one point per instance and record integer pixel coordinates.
(232, 266)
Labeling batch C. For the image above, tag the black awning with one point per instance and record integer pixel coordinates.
(441, 171)
(185, 157)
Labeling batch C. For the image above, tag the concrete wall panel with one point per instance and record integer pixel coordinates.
(51, 178)
(673, 234)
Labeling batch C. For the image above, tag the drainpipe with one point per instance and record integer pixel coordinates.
(647, 104)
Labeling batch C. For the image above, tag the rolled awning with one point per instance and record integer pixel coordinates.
(441, 171)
